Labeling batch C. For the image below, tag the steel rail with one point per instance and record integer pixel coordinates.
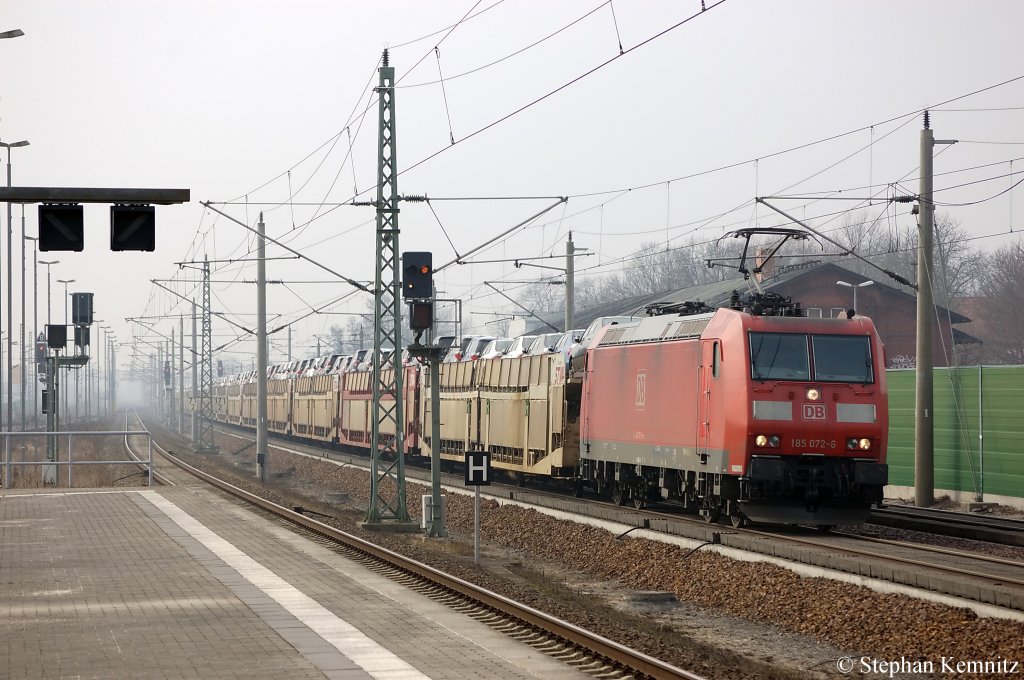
(824, 545)
(128, 447)
(617, 654)
(991, 578)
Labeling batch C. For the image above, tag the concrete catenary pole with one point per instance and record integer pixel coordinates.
(924, 480)
(924, 422)
(181, 374)
(261, 353)
(195, 379)
(21, 333)
(570, 283)
(35, 331)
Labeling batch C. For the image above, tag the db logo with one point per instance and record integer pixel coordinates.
(814, 412)
(641, 390)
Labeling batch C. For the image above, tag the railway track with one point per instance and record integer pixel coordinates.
(948, 523)
(987, 579)
(576, 646)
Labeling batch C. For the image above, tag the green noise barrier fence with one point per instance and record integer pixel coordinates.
(979, 429)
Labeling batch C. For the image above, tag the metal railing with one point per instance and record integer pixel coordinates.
(70, 463)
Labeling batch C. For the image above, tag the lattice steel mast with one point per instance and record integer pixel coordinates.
(204, 442)
(387, 480)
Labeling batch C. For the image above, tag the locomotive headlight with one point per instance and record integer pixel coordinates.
(773, 441)
(761, 440)
(766, 441)
(813, 394)
(864, 444)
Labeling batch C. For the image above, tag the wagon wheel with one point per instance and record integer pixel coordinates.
(639, 503)
(576, 487)
(619, 494)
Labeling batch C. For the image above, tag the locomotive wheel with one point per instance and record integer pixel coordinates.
(712, 515)
(639, 503)
(738, 521)
(619, 494)
(825, 528)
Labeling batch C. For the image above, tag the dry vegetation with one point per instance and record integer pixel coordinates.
(84, 451)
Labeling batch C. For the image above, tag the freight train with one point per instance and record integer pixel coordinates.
(751, 412)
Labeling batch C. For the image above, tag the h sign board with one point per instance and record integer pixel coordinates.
(478, 468)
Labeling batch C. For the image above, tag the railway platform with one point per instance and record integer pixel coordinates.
(181, 582)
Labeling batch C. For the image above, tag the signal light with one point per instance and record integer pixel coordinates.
(61, 227)
(418, 275)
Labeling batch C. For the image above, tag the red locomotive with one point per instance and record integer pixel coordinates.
(771, 418)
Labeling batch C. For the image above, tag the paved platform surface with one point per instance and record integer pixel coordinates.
(182, 583)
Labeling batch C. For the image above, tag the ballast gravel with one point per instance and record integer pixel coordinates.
(732, 619)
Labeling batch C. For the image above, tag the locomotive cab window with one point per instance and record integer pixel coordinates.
(779, 356)
(716, 359)
(842, 358)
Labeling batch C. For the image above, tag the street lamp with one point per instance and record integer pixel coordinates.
(67, 413)
(100, 376)
(10, 285)
(35, 323)
(48, 299)
(855, 286)
(65, 282)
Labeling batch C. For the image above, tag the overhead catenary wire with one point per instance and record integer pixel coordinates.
(602, 227)
(512, 54)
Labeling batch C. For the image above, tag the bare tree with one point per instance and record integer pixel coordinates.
(1001, 290)
(543, 298)
(356, 334)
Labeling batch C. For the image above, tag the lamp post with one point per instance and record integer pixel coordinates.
(101, 345)
(35, 324)
(65, 282)
(49, 320)
(10, 285)
(855, 286)
(92, 397)
(67, 413)
(48, 299)
(15, 33)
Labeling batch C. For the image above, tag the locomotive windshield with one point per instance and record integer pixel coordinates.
(842, 358)
(785, 356)
(779, 356)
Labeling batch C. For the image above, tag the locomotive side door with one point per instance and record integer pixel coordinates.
(710, 356)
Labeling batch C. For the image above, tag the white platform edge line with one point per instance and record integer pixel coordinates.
(346, 638)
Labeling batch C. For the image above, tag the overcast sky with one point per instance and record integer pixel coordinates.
(227, 98)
